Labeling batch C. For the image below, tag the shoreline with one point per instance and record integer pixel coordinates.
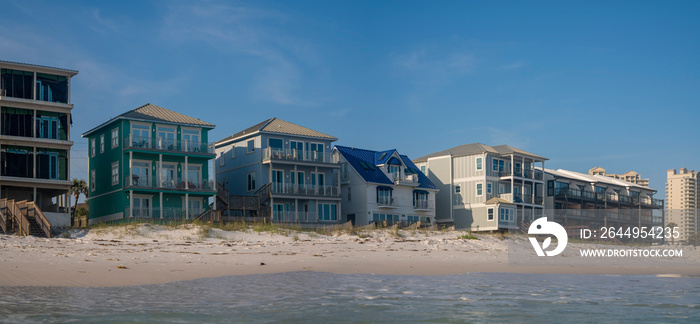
(152, 254)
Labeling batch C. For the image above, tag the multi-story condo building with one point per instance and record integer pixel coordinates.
(595, 201)
(683, 201)
(282, 172)
(35, 139)
(484, 188)
(384, 187)
(629, 176)
(155, 166)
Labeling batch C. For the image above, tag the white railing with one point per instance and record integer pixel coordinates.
(411, 179)
(163, 144)
(169, 183)
(386, 201)
(294, 217)
(298, 155)
(304, 190)
(423, 204)
(169, 213)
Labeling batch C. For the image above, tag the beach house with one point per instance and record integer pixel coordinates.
(384, 188)
(595, 201)
(280, 171)
(155, 166)
(485, 188)
(35, 138)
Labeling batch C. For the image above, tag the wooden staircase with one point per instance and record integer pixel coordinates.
(258, 203)
(23, 217)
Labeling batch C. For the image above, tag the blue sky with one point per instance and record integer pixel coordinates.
(585, 84)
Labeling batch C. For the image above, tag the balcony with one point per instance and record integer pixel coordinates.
(423, 204)
(270, 154)
(406, 180)
(198, 185)
(171, 214)
(522, 173)
(304, 190)
(166, 145)
(386, 202)
(294, 217)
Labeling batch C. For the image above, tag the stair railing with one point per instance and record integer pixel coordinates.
(33, 210)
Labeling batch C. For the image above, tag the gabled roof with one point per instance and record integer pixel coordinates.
(477, 148)
(276, 125)
(152, 113)
(497, 200)
(359, 157)
(383, 156)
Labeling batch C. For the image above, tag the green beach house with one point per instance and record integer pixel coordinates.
(149, 163)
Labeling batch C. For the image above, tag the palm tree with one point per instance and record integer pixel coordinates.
(76, 189)
(671, 225)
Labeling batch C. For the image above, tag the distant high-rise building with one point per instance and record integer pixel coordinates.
(682, 195)
(629, 176)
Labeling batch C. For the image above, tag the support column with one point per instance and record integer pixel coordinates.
(216, 184)
(187, 175)
(160, 171)
(161, 204)
(187, 206)
(131, 203)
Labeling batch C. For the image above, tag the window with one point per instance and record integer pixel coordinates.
(140, 135)
(479, 189)
(327, 212)
(479, 165)
(505, 215)
(190, 140)
(317, 152)
(115, 173)
(92, 147)
(115, 138)
(251, 146)
(251, 181)
(297, 149)
(194, 176)
(142, 206)
(550, 187)
(422, 169)
(384, 196)
(458, 189)
(233, 151)
(490, 214)
(275, 144)
(102, 143)
(488, 188)
(140, 172)
(92, 180)
(221, 158)
(277, 181)
(166, 138)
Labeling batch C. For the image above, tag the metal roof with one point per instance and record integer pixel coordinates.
(594, 179)
(357, 157)
(476, 148)
(34, 66)
(151, 112)
(279, 126)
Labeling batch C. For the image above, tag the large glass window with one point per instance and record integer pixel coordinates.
(166, 138)
(140, 172)
(51, 88)
(17, 84)
(317, 152)
(297, 149)
(17, 161)
(327, 212)
(140, 135)
(275, 144)
(384, 196)
(191, 140)
(168, 175)
(277, 180)
(142, 206)
(194, 176)
(48, 126)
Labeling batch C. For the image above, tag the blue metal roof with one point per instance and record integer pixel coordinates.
(383, 156)
(365, 163)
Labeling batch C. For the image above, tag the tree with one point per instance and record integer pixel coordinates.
(76, 189)
(671, 225)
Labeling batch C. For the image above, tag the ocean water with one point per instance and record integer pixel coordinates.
(326, 297)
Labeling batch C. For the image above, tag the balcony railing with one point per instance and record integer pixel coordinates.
(162, 144)
(305, 190)
(298, 155)
(410, 179)
(423, 204)
(386, 201)
(523, 173)
(294, 217)
(167, 213)
(135, 181)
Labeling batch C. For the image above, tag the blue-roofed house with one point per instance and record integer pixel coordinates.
(383, 187)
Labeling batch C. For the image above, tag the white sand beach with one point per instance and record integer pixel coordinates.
(149, 254)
